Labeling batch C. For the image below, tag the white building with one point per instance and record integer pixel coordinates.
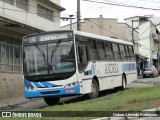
(148, 39)
(17, 19)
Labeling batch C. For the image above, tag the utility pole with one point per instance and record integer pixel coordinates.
(71, 21)
(158, 51)
(78, 15)
(133, 35)
(68, 18)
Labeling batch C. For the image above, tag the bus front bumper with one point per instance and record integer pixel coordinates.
(52, 92)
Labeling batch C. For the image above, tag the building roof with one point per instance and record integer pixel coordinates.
(156, 22)
(56, 5)
(141, 56)
(15, 26)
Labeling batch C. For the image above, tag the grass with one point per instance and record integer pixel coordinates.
(129, 100)
(112, 102)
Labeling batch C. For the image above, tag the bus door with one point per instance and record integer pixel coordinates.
(82, 60)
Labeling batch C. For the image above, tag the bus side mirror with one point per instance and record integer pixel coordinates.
(80, 50)
(17, 52)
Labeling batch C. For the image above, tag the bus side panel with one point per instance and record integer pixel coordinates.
(131, 77)
(105, 83)
(117, 81)
(87, 86)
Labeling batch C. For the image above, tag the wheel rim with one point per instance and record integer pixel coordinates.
(124, 83)
(94, 90)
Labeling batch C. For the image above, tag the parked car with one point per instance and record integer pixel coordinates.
(149, 72)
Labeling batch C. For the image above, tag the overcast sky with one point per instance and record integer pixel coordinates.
(94, 10)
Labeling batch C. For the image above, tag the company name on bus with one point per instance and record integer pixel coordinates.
(111, 68)
(54, 37)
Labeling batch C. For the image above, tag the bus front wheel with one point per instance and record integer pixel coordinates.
(95, 90)
(51, 100)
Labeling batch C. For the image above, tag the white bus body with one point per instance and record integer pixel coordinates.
(90, 64)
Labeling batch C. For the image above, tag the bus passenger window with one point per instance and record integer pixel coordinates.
(82, 57)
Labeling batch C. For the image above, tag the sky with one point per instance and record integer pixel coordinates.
(94, 10)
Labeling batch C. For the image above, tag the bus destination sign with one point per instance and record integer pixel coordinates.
(48, 37)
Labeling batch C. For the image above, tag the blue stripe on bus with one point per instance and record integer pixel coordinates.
(37, 84)
(61, 92)
(27, 83)
(46, 84)
(128, 67)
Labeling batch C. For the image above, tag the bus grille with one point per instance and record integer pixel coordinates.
(50, 92)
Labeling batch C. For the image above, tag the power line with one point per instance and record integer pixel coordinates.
(123, 5)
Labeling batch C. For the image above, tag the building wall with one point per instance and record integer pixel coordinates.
(11, 78)
(30, 16)
(102, 26)
(148, 46)
(11, 84)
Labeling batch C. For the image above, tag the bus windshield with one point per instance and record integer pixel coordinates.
(52, 58)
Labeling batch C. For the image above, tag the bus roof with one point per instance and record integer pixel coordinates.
(87, 35)
(102, 37)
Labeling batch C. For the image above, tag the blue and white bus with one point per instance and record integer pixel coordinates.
(66, 63)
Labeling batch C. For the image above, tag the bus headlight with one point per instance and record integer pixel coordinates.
(71, 84)
(29, 88)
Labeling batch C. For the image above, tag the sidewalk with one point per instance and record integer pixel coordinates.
(12, 101)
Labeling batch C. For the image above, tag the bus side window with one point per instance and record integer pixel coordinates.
(82, 57)
(131, 52)
(127, 53)
(101, 51)
(122, 51)
(109, 51)
(116, 52)
(93, 52)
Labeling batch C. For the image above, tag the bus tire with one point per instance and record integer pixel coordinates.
(95, 90)
(51, 100)
(123, 87)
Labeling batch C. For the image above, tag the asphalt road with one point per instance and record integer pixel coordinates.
(39, 103)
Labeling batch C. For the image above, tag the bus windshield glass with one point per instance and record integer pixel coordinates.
(52, 58)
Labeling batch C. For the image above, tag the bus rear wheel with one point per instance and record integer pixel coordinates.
(51, 100)
(95, 90)
(123, 87)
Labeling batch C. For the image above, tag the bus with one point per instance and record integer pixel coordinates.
(64, 63)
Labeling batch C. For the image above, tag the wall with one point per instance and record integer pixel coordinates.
(145, 41)
(11, 84)
(102, 26)
(30, 17)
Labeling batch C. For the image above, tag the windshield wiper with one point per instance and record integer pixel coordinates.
(43, 55)
(55, 49)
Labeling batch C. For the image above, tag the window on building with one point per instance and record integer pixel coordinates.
(22, 4)
(9, 1)
(45, 13)
(8, 49)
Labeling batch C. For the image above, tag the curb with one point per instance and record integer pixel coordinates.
(147, 82)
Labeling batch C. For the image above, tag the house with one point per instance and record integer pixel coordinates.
(17, 19)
